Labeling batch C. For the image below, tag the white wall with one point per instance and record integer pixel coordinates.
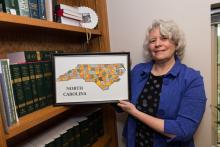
(128, 20)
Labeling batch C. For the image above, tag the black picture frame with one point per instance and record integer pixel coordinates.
(90, 78)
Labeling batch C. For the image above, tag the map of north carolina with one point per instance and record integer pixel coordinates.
(104, 75)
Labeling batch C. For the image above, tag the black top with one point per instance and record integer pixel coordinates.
(148, 102)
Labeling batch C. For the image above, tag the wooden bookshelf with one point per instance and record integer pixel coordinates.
(8, 21)
(102, 141)
(31, 120)
(19, 33)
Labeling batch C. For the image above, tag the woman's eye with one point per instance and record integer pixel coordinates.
(164, 38)
(152, 41)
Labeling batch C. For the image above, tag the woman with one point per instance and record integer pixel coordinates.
(168, 98)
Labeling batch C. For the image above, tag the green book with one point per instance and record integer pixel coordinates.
(92, 122)
(47, 55)
(100, 126)
(84, 133)
(71, 137)
(40, 84)
(10, 6)
(33, 86)
(18, 89)
(26, 82)
(58, 142)
(48, 81)
(76, 131)
(65, 137)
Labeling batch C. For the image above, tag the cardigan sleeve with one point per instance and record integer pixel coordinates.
(191, 109)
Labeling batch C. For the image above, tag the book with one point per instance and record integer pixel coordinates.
(10, 6)
(33, 86)
(7, 90)
(49, 10)
(2, 111)
(73, 10)
(1, 6)
(27, 87)
(18, 89)
(68, 21)
(48, 81)
(33, 8)
(23, 7)
(41, 9)
(62, 12)
(40, 84)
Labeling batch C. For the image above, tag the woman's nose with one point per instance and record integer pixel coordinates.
(158, 42)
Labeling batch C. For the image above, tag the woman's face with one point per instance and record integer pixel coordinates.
(161, 48)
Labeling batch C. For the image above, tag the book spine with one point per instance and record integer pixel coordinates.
(67, 7)
(60, 12)
(33, 8)
(1, 6)
(18, 89)
(34, 86)
(5, 98)
(40, 84)
(58, 142)
(3, 112)
(49, 10)
(92, 132)
(7, 93)
(45, 55)
(11, 93)
(48, 80)
(71, 140)
(64, 137)
(68, 21)
(41, 9)
(84, 133)
(14, 5)
(26, 83)
(10, 6)
(99, 115)
(77, 136)
(23, 7)
(4, 5)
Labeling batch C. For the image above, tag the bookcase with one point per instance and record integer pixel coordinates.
(20, 33)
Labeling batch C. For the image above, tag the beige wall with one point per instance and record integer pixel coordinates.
(127, 24)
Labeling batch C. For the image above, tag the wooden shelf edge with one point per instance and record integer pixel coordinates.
(102, 141)
(30, 120)
(27, 21)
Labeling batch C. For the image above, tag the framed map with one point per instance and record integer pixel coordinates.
(91, 78)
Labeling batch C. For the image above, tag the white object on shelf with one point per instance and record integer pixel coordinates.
(89, 16)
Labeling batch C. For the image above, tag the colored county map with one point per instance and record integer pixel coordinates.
(104, 75)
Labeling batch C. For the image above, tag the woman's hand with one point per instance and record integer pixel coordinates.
(127, 107)
(153, 122)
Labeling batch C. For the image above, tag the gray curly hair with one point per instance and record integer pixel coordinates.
(172, 31)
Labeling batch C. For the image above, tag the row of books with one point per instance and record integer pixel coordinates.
(26, 84)
(32, 85)
(43, 9)
(74, 132)
(30, 8)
